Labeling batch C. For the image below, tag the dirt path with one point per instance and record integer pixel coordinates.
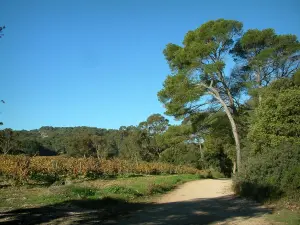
(199, 189)
(200, 202)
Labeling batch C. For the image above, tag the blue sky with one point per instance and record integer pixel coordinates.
(100, 63)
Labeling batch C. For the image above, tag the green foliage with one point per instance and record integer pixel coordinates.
(82, 192)
(296, 78)
(44, 177)
(155, 124)
(158, 188)
(285, 216)
(178, 91)
(271, 174)
(218, 160)
(30, 147)
(176, 135)
(199, 83)
(219, 149)
(272, 148)
(110, 191)
(136, 143)
(267, 56)
(8, 141)
(181, 146)
(121, 190)
(182, 154)
(198, 63)
(277, 118)
(80, 146)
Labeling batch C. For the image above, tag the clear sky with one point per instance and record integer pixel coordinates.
(100, 63)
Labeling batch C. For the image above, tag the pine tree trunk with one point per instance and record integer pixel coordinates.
(215, 93)
(258, 80)
(236, 138)
(234, 167)
(201, 150)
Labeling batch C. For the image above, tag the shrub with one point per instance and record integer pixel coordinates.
(116, 189)
(271, 174)
(277, 118)
(158, 188)
(83, 192)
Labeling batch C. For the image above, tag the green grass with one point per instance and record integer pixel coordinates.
(133, 189)
(286, 216)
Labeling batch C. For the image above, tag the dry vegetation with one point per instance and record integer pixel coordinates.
(22, 169)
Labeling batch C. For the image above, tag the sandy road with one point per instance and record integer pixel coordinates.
(200, 202)
(199, 189)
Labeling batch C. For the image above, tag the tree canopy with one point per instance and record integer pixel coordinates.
(200, 80)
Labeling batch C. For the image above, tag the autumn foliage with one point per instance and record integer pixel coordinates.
(23, 168)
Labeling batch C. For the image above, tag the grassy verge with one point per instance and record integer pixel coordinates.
(135, 189)
(285, 216)
(285, 210)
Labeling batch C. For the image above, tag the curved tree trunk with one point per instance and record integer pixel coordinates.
(258, 80)
(215, 93)
(234, 167)
(201, 150)
(235, 135)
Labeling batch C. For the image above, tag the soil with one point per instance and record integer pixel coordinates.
(200, 202)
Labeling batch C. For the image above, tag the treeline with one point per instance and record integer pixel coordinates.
(152, 140)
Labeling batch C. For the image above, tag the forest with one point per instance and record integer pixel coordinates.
(236, 94)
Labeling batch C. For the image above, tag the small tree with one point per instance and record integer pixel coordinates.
(151, 133)
(8, 142)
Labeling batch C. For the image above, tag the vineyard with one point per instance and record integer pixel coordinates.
(23, 169)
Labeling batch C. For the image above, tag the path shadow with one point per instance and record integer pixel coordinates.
(198, 211)
(112, 211)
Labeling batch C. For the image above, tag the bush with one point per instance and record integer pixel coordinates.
(218, 162)
(159, 188)
(44, 178)
(277, 118)
(116, 189)
(83, 192)
(271, 174)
